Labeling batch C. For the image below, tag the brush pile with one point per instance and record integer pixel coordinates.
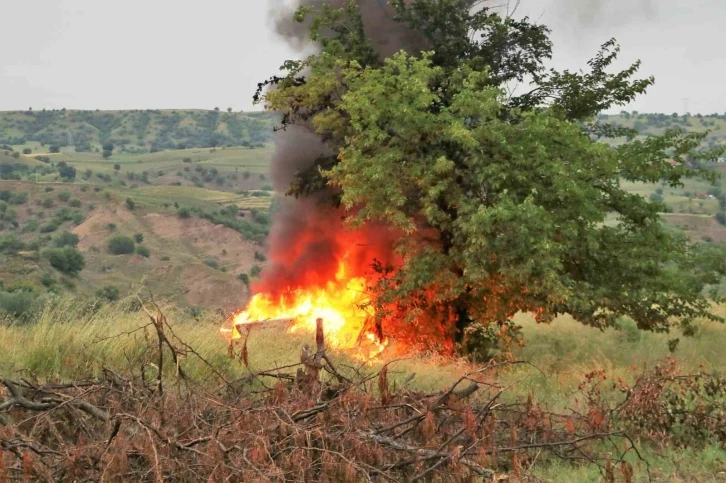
(308, 422)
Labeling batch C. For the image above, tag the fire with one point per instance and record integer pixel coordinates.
(341, 303)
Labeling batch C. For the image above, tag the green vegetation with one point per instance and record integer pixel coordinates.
(67, 260)
(113, 132)
(515, 190)
(121, 245)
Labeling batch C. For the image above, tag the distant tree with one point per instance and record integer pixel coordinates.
(130, 204)
(116, 167)
(67, 260)
(138, 237)
(121, 245)
(184, 212)
(108, 147)
(54, 148)
(27, 151)
(106, 154)
(229, 109)
(67, 172)
(216, 109)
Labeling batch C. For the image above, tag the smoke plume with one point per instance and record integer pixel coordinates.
(308, 237)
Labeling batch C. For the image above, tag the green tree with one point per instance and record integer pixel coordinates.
(138, 237)
(500, 200)
(67, 260)
(54, 149)
(116, 167)
(27, 151)
(106, 154)
(143, 251)
(130, 204)
(121, 245)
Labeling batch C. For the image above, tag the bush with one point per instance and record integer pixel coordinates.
(67, 260)
(48, 227)
(17, 198)
(721, 217)
(27, 151)
(143, 251)
(245, 279)
(165, 258)
(130, 204)
(121, 245)
(30, 225)
(212, 263)
(106, 154)
(16, 304)
(187, 160)
(111, 227)
(65, 239)
(260, 256)
(64, 196)
(75, 202)
(54, 149)
(109, 293)
(11, 244)
(255, 271)
(184, 212)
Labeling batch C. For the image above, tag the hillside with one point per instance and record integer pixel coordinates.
(651, 124)
(136, 131)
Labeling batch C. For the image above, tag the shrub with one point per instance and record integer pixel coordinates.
(187, 160)
(47, 203)
(48, 189)
(260, 256)
(111, 226)
(211, 262)
(54, 149)
(143, 251)
(255, 271)
(16, 304)
(67, 260)
(11, 244)
(49, 227)
(721, 217)
(245, 279)
(109, 293)
(106, 154)
(184, 212)
(30, 225)
(165, 258)
(130, 204)
(65, 239)
(121, 245)
(74, 202)
(64, 196)
(27, 151)
(18, 198)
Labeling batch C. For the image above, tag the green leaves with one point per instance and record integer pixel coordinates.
(502, 201)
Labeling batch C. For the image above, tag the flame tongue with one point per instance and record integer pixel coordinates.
(338, 302)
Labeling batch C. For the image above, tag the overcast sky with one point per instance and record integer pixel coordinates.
(139, 54)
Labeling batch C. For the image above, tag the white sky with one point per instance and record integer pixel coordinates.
(139, 54)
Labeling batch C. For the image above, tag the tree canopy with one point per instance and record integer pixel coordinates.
(508, 202)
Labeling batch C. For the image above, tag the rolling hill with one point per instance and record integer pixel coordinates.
(134, 131)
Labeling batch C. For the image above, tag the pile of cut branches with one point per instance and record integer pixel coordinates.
(302, 423)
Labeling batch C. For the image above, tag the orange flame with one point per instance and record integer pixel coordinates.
(341, 303)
